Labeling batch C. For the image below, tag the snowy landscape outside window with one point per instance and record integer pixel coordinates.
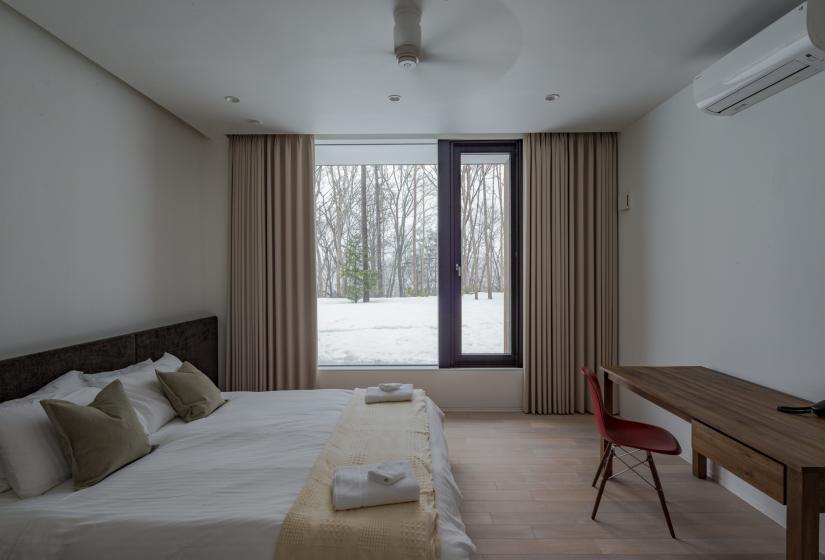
(377, 264)
(377, 261)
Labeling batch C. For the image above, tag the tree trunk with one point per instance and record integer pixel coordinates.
(422, 272)
(339, 250)
(414, 230)
(505, 254)
(379, 234)
(476, 275)
(400, 262)
(365, 263)
(466, 203)
(488, 240)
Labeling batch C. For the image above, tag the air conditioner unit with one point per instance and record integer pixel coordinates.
(781, 55)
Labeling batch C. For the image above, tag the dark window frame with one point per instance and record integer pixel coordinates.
(449, 253)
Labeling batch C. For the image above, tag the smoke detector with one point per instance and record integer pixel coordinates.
(407, 35)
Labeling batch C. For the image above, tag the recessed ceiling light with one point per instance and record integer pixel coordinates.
(551, 96)
(231, 99)
(394, 97)
(254, 121)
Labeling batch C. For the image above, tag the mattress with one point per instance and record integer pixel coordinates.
(216, 488)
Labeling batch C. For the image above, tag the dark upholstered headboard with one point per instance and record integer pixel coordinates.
(194, 341)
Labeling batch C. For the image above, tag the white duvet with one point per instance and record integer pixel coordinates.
(216, 488)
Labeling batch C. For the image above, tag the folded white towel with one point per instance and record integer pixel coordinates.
(388, 473)
(389, 387)
(353, 489)
(376, 395)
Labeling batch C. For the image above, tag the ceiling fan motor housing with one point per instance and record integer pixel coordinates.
(407, 35)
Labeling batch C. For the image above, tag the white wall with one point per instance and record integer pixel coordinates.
(722, 254)
(112, 215)
(214, 231)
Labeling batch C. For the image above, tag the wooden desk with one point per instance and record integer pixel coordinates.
(735, 423)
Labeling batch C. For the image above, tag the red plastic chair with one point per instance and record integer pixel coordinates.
(620, 433)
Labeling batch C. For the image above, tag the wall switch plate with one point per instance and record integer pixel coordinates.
(624, 201)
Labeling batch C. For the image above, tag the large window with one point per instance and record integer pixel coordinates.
(480, 237)
(379, 245)
(377, 253)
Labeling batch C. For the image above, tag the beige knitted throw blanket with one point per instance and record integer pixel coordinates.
(367, 433)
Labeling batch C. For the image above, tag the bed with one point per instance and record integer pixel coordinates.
(219, 487)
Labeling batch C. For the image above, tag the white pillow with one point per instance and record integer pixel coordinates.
(30, 452)
(168, 362)
(103, 378)
(145, 394)
(69, 382)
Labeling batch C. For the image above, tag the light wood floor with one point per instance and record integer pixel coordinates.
(527, 495)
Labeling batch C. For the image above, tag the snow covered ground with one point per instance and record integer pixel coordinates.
(402, 330)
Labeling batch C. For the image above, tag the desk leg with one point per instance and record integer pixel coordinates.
(608, 406)
(700, 465)
(802, 533)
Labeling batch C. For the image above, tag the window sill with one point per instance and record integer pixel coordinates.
(424, 369)
(451, 389)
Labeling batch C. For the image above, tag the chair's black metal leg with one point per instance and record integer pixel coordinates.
(661, 493)
(605, 476)
(601, 464)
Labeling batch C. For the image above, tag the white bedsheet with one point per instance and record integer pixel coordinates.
(215, 488)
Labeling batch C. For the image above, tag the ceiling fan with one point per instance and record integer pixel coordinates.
(407, 34)
(466, 42)
(457, 36)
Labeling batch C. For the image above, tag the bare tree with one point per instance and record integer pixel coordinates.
(399, 198)
(414, 267)
(379, 231)
(392, 210)
(488, 234)
(365, 263)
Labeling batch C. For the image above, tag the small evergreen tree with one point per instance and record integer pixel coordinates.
(357, 279)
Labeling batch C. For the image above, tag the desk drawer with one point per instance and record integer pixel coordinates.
(751, 466)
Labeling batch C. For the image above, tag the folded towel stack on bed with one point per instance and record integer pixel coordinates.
(389, 392)
(389, 472)
(355, 487)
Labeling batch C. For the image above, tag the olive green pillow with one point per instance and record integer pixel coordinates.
(191, 393)
(100, 438)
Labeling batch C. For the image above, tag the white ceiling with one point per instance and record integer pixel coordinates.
(326, 66)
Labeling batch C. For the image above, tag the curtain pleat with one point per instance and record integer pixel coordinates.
(571, 275)
(271, 326)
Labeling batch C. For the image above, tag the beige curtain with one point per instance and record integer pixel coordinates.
(271, 324)
(571, 273)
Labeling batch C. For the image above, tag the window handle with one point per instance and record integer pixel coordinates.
(458, 269)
